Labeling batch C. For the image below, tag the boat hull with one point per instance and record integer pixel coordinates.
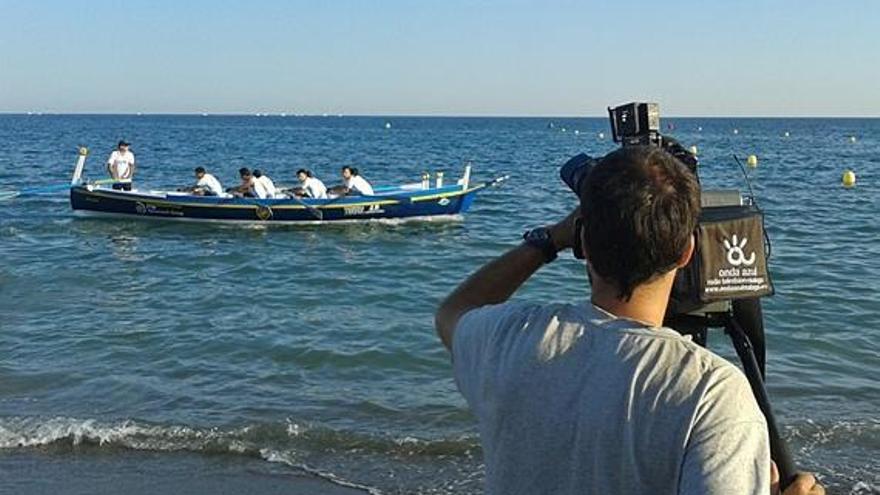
(157, 205)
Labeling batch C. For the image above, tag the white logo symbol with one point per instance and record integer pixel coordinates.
(735, 254)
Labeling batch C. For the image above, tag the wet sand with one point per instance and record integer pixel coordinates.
(33, 472)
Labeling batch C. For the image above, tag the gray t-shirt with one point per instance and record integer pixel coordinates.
(571, 399)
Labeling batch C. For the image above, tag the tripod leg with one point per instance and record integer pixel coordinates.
(778, 448)
(747, 312)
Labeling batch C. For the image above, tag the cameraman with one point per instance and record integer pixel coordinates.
(599, 397)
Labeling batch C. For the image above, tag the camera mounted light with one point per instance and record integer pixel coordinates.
(635, 123)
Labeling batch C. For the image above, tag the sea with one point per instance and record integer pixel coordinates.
(162, 357)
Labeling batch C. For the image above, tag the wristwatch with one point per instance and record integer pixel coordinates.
(540, 239)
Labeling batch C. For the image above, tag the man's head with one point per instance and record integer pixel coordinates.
(200, 172)
(257, 173)
(245, 173)
(122, 146)
(639, 207)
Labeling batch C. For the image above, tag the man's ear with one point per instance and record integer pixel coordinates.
(688, 253)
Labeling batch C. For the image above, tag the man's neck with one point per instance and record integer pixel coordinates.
(647, 304)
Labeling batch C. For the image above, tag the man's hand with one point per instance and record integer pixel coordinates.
(803, 484)
(562, 233)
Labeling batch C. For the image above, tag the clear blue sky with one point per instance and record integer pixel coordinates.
(447, 57)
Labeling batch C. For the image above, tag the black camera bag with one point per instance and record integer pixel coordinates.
(729, 262)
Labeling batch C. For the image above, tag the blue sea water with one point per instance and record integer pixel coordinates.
(312, 348)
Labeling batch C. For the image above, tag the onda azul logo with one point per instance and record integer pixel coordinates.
(735, 254)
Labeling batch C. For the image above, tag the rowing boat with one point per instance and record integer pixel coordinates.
(427, 199)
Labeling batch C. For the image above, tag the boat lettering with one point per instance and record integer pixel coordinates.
(149, 209)
(362, 210)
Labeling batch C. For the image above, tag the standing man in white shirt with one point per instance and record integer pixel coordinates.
(354, 183)
(271, 191)
(312, 186)
(206, 184)
(121, 166)
(599, 397)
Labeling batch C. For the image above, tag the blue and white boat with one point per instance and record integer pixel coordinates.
(424, 200)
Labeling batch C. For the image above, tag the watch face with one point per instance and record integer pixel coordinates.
(538, 235)
(540, 238)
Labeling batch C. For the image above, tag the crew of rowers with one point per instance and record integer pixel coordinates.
(255, 184)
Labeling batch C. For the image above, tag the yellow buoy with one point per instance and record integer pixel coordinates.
(849, 178)
(752, 161)
(694, 150)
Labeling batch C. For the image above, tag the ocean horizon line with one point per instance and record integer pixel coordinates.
(414, 115)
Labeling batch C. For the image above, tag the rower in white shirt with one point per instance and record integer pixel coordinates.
(354, 183)
(121, 166)
(312, 187)
(271, 191)
(250, 187)
(206, 184)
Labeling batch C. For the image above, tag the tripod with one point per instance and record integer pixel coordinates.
(743, 321)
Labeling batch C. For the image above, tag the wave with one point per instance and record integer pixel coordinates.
(289, 443)
(844, 453)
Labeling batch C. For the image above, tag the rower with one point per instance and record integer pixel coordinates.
(271, 192)
(206, 184)
(312, 187)
(121, 167)
(354, 183)
(249, 187)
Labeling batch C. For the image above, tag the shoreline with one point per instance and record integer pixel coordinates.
(38, 471)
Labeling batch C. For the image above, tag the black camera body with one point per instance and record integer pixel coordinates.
(730, 259)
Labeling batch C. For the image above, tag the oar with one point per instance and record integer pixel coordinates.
(257, 202)
(6, 195)
(314, 211)
(496, 181)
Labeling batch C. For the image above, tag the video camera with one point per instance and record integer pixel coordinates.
(730, 259)
(727, 275)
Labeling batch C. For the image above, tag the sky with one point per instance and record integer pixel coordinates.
(445, 57)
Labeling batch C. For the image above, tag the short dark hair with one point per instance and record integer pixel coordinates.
(639, 208)
(200, 170)
(257, 173)
(244, 171)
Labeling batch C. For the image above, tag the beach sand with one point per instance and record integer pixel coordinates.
(41, 471)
